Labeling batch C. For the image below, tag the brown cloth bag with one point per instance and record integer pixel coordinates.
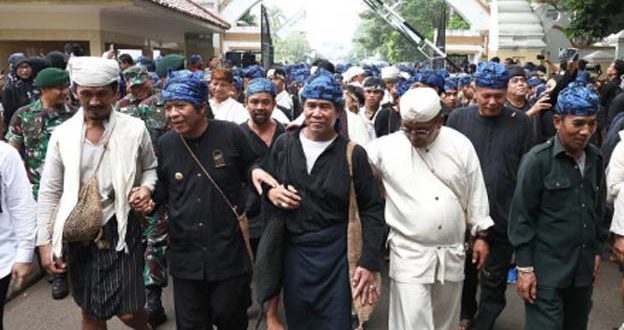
(84, 223)
(243, 224)
(354, 244)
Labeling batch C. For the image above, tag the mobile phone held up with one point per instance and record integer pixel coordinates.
(569, 54)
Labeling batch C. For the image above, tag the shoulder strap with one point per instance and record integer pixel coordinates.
(440, 179)
(350, 146)
(232, 206)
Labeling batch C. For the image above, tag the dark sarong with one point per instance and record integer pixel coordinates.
(105, 282)
(316, 280)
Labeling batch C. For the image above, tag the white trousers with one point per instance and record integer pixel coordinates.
(415, 306)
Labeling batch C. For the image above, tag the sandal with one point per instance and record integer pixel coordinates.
(465, 324)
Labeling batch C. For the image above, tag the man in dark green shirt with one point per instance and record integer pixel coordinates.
(556, 219)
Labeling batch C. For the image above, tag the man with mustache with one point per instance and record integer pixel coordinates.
(500, 136)
(261, 131)
(556, 223)
(98, 143)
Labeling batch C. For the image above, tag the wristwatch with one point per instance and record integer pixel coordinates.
(482, 234)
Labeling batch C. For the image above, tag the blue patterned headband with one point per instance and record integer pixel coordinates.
(323, 86)
(491, 75)
(186, 86)
(260, 85)
(577, 100)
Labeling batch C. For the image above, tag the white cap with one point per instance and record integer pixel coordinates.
(420, 104)
(351, 73)
(389, 72)
(91, 71)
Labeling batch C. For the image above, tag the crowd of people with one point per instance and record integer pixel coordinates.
(308, 179)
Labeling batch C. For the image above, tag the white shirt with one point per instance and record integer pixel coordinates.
(18, 224)
(229, 110)
(283, 99)
(234, 111)
(426, 218)
(370, 123)
(615, 181)
(357, 129)
(312, 149)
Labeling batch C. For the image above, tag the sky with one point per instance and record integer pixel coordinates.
(328, 22)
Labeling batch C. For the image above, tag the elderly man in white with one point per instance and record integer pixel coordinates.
(434, 190)
(106, 273)
(615, 182)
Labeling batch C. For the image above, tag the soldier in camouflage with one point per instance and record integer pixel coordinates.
(30, 130)
(151, 110)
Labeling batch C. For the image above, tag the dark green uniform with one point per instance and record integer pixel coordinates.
(556, 225)
(152, 112)
(31, 128)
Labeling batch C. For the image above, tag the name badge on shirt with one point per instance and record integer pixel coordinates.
(218, 159)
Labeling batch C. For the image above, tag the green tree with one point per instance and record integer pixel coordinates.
(248, 19)
(590, 20)
(294, 48)
(376, 37)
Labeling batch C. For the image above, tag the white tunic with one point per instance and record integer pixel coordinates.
(426, 218)
(615, 182)
(283, 99)
(229, 110)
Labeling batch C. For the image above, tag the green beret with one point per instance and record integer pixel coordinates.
(51, 77)
(173, 61)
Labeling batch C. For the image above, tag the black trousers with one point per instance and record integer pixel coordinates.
(493, 283)
(469, 290)
(4, 287)
(559, 309)
(199, 304)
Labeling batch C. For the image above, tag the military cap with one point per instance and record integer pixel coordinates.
(136, 75)
(173, 61)
(51, 77)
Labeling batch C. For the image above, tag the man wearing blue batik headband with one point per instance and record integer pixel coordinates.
(201, 178)
(501, 136)
(556, 219)
(261, 131)
(312, 203)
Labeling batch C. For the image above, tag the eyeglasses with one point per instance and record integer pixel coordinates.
(417, 132)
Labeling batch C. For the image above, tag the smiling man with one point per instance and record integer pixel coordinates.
(556, 220)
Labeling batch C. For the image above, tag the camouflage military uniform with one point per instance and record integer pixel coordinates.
(152, 112)
(31, 127)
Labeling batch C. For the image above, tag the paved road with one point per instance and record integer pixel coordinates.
(35, 309)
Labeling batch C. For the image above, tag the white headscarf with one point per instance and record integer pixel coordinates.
(92, 71)
(420, 104)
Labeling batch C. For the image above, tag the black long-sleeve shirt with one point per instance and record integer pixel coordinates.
(325, 192)
(205, 242)
(253, 202)
(500, 143)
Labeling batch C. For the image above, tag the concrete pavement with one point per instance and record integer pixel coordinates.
(35, 309)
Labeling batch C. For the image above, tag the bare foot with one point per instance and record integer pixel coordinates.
(274, 323)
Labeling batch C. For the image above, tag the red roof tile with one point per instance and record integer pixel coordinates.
(193, 9)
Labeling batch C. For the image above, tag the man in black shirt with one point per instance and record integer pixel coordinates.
(261, 131)
(207, 257)
(500, 136)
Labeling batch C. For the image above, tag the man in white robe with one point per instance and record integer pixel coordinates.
(435, 189)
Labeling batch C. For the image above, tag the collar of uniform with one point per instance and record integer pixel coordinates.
(558, 148)
(53, 112)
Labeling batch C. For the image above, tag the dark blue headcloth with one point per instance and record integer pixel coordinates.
(323, 86)
(491, 75)
(577, 100)
(451, 84)
(253, 71)
(260, 85)
(186, 86)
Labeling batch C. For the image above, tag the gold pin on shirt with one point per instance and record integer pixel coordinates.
(178, 176)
